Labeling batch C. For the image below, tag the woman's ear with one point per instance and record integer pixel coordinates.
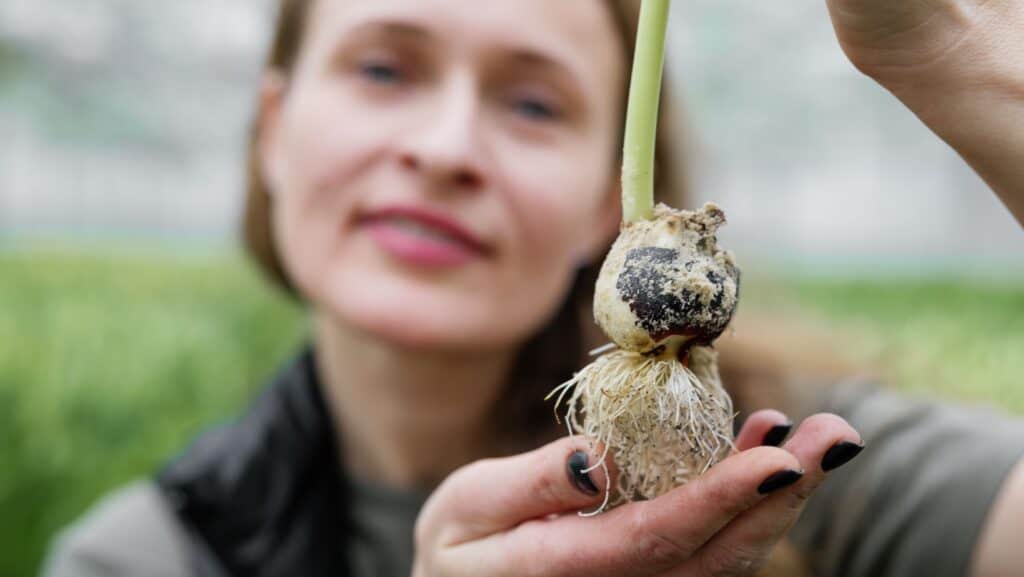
(272, 93)
(606, 223)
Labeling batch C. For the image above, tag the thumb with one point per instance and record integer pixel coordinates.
(493, 495)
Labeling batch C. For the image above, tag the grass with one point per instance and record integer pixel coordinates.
(956, 340)
(943, 338)
(108, 365)
(111, 362)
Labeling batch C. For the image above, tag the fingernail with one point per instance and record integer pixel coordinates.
(577, 463)
(840, 454)
(776, 434)
(779, 480)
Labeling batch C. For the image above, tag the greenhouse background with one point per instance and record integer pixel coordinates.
(127, 119)
(130, 322)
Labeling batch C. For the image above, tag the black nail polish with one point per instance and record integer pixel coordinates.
(840, 454)
(779, 480)
(577, 463)
(776, 434)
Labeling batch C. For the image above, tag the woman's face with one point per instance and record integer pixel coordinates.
(441, 167)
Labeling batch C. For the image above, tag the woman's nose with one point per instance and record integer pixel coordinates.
(446, 150)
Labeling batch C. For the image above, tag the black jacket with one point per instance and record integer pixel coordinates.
(263, 496)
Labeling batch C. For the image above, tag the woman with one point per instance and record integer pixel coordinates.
(437, 181)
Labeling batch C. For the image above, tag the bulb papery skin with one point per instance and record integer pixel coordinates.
(667, 277)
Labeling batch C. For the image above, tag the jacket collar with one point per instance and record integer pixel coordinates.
(263, 496)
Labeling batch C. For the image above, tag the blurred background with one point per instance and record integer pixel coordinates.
(129, 321)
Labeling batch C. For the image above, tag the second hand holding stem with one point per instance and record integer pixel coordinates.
(959, 66)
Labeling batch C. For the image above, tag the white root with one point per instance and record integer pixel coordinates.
(662, 422)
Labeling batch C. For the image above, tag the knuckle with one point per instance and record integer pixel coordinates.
(424, 562)
(651, 547)
(419, 533)
(825, 422)
(531, 566)
(428, 535)
(424, 528)
(433, 524)
(799, 495)
(535, 564)
(794, 499)
(731, 561)
(660, 550)
(435, 560)
(724, 496)
(531, 557)
(549, 487)
(471, 470)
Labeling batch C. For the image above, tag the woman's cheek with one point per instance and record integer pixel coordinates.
(549, 248)
(312, 211)
(562, 206)
(327, 141)
(303, 242)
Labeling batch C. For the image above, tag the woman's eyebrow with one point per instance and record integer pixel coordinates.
(399, 33)
(393, 29)
(528, 58)
(553, 67)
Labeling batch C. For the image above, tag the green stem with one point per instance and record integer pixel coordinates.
(642, 114)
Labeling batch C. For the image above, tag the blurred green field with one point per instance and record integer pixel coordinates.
(111, 362)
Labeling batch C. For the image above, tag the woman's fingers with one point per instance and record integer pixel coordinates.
(767, 427)
(675, 526)
(507, 516)
(822, 443)
(640, 538)
(492, 495)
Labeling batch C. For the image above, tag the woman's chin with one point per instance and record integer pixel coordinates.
(423, 332)
(418, 322)
(422, 314)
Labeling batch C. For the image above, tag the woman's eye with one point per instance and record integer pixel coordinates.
(534, 109)
(380, 72)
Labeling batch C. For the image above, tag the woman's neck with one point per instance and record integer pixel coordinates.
(407, 418)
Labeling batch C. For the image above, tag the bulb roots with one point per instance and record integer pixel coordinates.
(663, 423)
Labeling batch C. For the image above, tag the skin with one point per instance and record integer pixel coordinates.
(439, 107)
(441, 111)
(959, 66)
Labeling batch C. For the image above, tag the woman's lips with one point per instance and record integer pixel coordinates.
(422, 237)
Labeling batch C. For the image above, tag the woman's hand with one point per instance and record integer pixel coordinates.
(898, 42)
(517, 516)
(959, 65)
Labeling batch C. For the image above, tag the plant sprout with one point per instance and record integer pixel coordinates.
(654, 399)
